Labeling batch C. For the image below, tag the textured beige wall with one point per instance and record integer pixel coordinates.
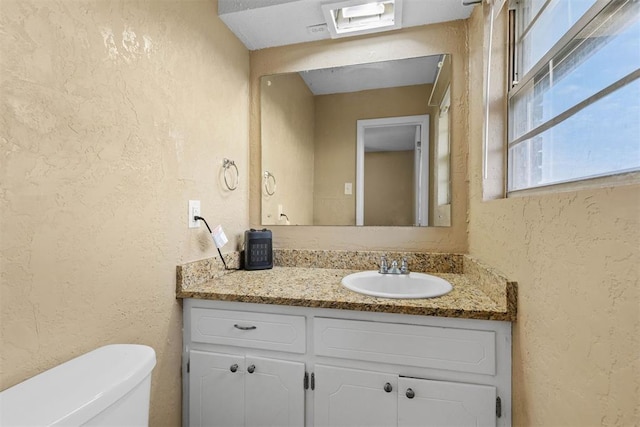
(288, 119)
(335, 142)
(417, 41)
(113, 115)
(389, 188)
(576, 257)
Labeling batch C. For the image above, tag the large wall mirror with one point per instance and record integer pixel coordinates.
(364, 144)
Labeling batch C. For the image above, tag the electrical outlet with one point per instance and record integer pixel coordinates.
(194, 210)
(279, 211)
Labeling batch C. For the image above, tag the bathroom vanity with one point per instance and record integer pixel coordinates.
(291, 347)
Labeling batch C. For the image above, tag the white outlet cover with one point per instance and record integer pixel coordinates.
(194, 210)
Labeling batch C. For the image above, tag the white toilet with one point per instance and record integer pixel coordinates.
(109, 386)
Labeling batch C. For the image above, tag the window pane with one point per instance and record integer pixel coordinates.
(554, 22)
(530, 9)
(601, 58)
(603, 138)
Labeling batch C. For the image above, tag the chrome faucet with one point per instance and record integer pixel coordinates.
(394, 268)
(404, 267)
(385, 269)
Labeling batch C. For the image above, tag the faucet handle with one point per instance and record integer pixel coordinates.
(404, 267)
(384, 266)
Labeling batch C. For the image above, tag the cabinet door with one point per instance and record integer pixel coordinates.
(216, 394)
(274, 392)
(440, 403)
(351, 397)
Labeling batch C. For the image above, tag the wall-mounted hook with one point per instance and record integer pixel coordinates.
(227, 165)
(269, 183)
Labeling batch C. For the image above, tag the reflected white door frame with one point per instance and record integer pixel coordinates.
(422, 200)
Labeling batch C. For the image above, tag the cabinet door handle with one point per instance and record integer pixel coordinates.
(251, 369)
(234, 367)
(245, 328)
(410, 393)
(388, 387)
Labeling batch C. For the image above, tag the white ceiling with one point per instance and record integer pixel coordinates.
(376, 75)
(267, 23)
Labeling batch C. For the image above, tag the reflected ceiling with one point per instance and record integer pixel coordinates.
(375, 75)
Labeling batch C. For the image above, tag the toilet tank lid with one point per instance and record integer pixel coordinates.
(76, 391)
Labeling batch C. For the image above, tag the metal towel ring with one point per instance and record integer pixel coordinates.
(226, 165)
(268, 175)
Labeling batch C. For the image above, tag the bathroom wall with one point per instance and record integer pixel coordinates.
(576, 258)
(449, 37)
(289, 121)
(390, 174)
(113, 115)
(335, 142)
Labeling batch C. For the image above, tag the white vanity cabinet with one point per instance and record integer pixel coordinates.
(441, 403)
(268, 365)
(238, 390)
(351, 397)
(228, 383)
(390, 399)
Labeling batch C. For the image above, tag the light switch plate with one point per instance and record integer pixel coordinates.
(194, 210)
(348, 188)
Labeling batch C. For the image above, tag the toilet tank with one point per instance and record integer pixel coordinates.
(109, 386)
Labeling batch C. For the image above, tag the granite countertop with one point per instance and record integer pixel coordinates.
(478, 292)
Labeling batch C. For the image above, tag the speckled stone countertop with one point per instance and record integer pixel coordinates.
(301, 278)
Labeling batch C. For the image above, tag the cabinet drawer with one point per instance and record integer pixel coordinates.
(253, 330)
(453, 349)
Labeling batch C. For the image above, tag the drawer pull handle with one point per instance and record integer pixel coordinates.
(245, 328)
(234, 367)
(410, 393)
(388, 387)
(251, 369)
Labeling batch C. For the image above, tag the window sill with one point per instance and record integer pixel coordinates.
(622, 179)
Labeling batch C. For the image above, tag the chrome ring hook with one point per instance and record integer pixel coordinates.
(226, 165)
(268, 177)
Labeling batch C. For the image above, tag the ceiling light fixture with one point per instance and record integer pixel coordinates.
(355, 17)
(368, 9)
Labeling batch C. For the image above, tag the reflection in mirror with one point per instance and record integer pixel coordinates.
(364, 144)
(390, 162)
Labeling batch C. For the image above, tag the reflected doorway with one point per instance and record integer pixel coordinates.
(392, 167)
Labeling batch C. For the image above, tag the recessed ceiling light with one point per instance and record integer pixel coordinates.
(355, 17)
(367, 9)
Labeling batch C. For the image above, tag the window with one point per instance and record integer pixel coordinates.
(575, 111)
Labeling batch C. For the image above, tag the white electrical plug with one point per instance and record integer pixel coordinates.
(219, 238)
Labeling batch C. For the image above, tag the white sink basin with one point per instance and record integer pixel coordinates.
(412, 285)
